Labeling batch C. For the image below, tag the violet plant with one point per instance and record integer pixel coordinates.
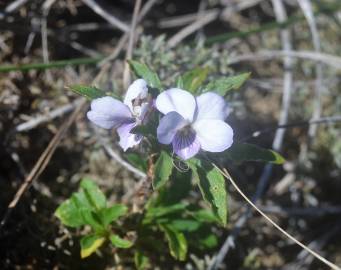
(182, 131)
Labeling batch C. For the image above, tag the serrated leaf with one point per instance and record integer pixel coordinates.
(90, 243)
(120, 242)
(162, 170)
(249, 152)
(193, 79)
(94, 195)
(90, 92)
(223, 85)
(177, 242)
(112, 213)
(142, 71)
(68, 214)
(141, 261)
(212, 186)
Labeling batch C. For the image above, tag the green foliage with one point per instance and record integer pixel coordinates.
(163, 170)
(112, 213)
(119, 242)
(176, 241)
(90, 243)
(137, 161)
(223, 86)
(212, 186)
(94, 195)
(89, 207)
(141, 261)
(239, 152)
(69, 214)
(90, 92)
(193, 79)
(142, 71)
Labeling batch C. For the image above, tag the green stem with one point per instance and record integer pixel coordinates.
(53, 64)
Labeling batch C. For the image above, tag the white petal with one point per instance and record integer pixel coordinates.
(127, 139)
(177, 100)
(108, 112)
(213, 135)
(168, 126)
(137, 89)
(211, 106)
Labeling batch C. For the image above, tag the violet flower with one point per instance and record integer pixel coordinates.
(108, 113)
(191, 124)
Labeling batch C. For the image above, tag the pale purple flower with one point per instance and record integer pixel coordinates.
(193, 123)
(108, 113)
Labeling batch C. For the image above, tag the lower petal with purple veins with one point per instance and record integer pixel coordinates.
(186, 144)
(127, 139)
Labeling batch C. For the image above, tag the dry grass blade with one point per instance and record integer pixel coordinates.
(309, 250)
(309, 15)
(107, 16)
(47, 117)
(288, 77)
(208, 17)
(42, 162)
(124, 38)
(328, 59)
(126, 72)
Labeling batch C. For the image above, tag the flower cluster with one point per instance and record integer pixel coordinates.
(189, 123)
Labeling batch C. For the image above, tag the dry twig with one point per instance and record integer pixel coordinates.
(129, 54)
(309, 15)
(106, 15)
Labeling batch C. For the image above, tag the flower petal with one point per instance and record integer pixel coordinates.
(186, 146)
(213, 135)
(108, 112)
(211, 106)
(127, 139)
(137, 89)
(168, 126)
(177, 100)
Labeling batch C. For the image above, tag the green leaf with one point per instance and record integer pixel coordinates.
(90, 243)
(209, 241)
(249, 152)
(204, 215)
(163, 170)
(112, 213)
(212, 186)
(90, 218)
(185, 225)
(142, 71)
(156, 212)
(193, 79)
(119, 242)
(90, 92)
(94, 195)
(68, 214)
(177, 242)
(141, 261)
(223, 85)
(137, 161)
